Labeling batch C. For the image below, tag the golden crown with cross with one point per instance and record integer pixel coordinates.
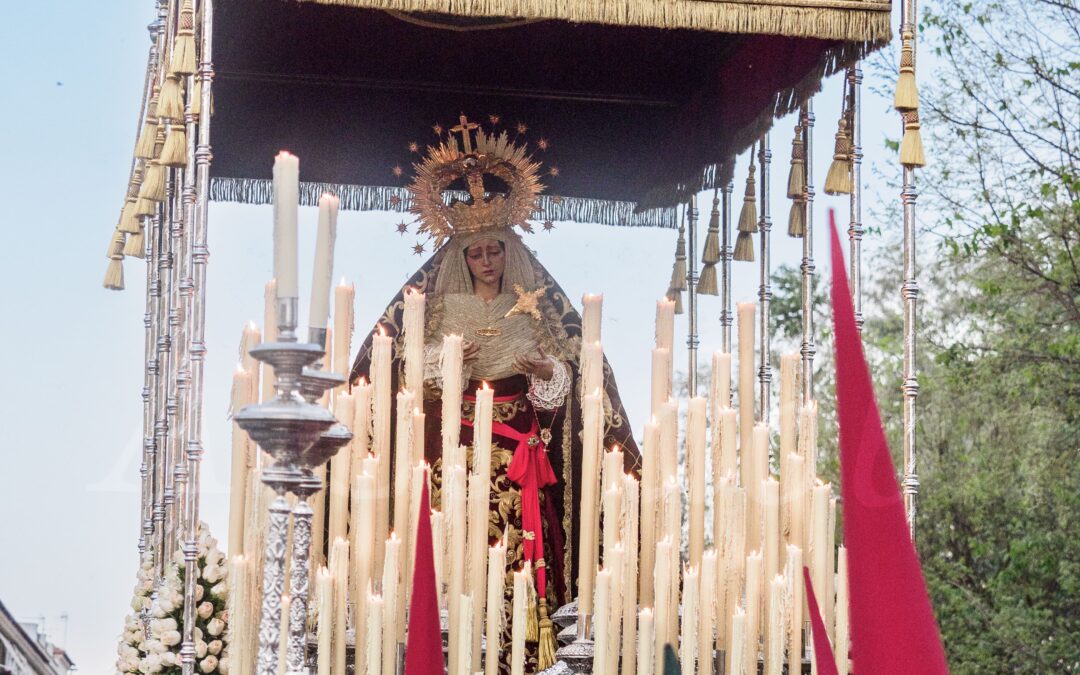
(470, 161)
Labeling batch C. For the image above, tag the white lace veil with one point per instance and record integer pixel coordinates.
(454, 276)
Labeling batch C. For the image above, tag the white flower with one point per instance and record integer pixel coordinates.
(215, 627)
(213, 574)
(206, 610)
(223, 665)
(169, 624)
(171, 638)
(164, 606)
(199, 592)
(209, 664)
(221, 590)
(198, 633)
(214, 647)
(200, 648)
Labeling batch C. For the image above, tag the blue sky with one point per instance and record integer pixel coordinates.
(70, 421)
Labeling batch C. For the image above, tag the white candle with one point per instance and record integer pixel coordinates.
(451, 368)
(381, 350)
(517, 627)
(754, 603)
(796, 599)
(402, 457)
(645, 642)
(650, 483)
(661, 379)
(456, 510)
(665, 323)
(464, 637)
(362, 544)
(631, 502)
(412, 322)
(728, 437)
(270, 331)
(591, 310)
(592, 419)
(737, 657)
(755, 465)
(438, 545)
(344, 308)
(602, 624)
(662, 603)
(774, 645)
(417, 479)
(241, 393)
(732, 554)
(829, 605)
(720, 385)
(361, 424)
(391, 607)
(843, 631)
(340, 472)
(789, 401)
(495, 610)
(612, 516)
(324, 583)
(239, 625)
(592, 366)
(707, 602)
(745, 311)
(614, 564)
(485, 397)
(286, 207)
(688, 647)
(339, 561)
(479, 509)
(695, 452)
(323, 272)
(819, 541)
(771, 518)
(374, 634)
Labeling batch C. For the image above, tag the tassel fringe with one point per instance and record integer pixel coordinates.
(532, 629)
(748, 215)
(706, 284)
(174, 152)
(153, 186)
(911, 147)
(744, 247)
(796, 224)
(676, 297)
(907, 92)
(839, 181)
(114, 274)
(678, 275)
(711, 255)
(171, 100)
(183, 58)
(797, 175)
(145, 207)
(144, 147)
(545, 652)
(135, 246)
(129, 223)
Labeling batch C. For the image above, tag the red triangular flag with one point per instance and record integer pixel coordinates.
(823, 652)
(424, 650)
(892, 624)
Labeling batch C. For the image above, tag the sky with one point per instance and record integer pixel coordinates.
(70, 427)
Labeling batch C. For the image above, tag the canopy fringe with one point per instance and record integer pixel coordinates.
(857, 20)
(371, 198)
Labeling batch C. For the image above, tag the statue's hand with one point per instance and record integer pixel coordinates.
(470, 352)
(538, 366)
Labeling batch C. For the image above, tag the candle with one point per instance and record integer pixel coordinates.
(381, 346)
(592, 366)
(650, 482)
(612, 468)
(241, 392)
(344, 301)
(614, 564)
(771, 518)
(438, 545)
(251, 337)
(485, 397)
(362, 532)
(495, 611)
(339, 561)
(796, 600)
(418, 476)
(323, 270)
(755, 467)
(688, 643)
(829, 607)
(665, 323)
(374, 634)
(464, 638)
(591, 310)
(413, 324)
(456, 510)
(707, 611)
(612, 515)
(269, 335)
(645, 642)
(695, 451)
(737, 659)
(843, 632)
(286, 205)
(340, 472)
(819, 541)
(517, 627)
(720, 385)
(669, 440)
(631, 501)
(662, 602)
(754, 603)
(324, 583)
(402, 456)
(745, 312)
(390, 608)
(731, 553)
(793, 496)
(592, 419)
(452, 370)
(774, 646)
(602, 625)
(361, 424)
(789, 401)
(478, 505)
(661, 379)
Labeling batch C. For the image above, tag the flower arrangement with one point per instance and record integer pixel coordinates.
(151, 643)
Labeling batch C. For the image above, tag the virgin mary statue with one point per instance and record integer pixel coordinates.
(522, 337)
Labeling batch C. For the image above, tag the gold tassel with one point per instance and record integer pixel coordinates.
(796, 184)
(676, 297)
(114, 274)
(183, 58)
(711, 255)
(135, 246)
(145, 207)
(907, 92)
(838, 180)
(171, 100)
(545, 651)
(532, 630)
(706, 284)
(911, 148)
(174, 152)
(144, 147)
(195, 103)
(796, 224)
(129, 223)
(153, 185)
(678, 271)
(748, 215)
(744, 247)
(116, 244)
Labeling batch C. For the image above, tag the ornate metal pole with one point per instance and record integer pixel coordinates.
(809, 348)
(910, 293)
(164, 400)
(764, 289)
(855, 228)
(726, 318)
(196, 209)
(691, 290)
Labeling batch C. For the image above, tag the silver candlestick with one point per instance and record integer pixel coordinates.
(578, 655)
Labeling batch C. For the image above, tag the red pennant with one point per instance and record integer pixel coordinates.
(823, 652)
(424, 650)
(892, 623)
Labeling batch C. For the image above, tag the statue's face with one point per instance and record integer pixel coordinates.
(486, 260)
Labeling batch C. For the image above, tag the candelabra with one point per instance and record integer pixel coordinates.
(300, 435)
(577, 656)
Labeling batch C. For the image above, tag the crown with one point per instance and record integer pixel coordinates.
(449, 163)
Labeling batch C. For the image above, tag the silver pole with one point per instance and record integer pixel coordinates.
(910, 293)
(725, 269)
(691, 290)
(855, 229)
(764, 288)
(196, 204)
(809, 348)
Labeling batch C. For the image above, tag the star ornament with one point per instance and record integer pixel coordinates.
(402, 227)
(418, 249)
(548, 226)
(527, 302)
